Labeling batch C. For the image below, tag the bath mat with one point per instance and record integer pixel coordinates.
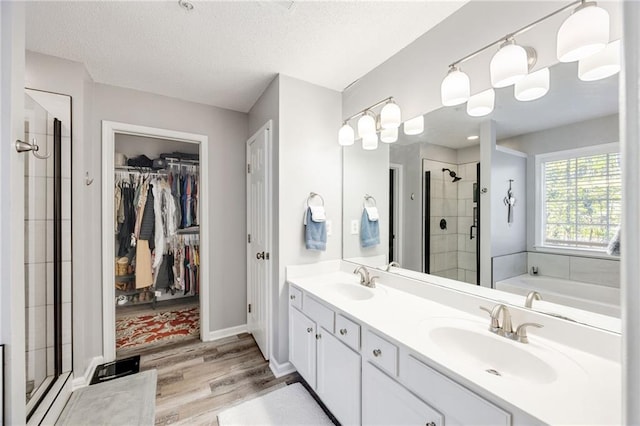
(161, 327)
(290, 405)
(129, 400)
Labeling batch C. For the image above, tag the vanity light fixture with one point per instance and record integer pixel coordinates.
(389, 135)
(481, 104)
(583, 33)
(369, 124)
(415, 126)
(511, 63)
(532, 86)
(602, 64)
(455, 88)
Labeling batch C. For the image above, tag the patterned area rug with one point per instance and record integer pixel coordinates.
(161, 327)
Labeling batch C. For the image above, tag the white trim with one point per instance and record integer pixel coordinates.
(540, 159)
(109, 130)
(399, 207)
(270, 328)
(226, 332)
(85, 379)
(53, 403)
(511, 151)
(280, 370)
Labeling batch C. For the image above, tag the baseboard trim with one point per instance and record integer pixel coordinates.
(85, 379)
(280, 370)
(226, 332)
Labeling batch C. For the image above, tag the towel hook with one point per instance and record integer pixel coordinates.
(313, 195)
(22, 146)
(371, 198)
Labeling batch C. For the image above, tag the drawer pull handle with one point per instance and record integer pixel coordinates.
(292, 297)
(318, 336)
(343, 331)
(431, 424)
(309, 330)
(377, 352)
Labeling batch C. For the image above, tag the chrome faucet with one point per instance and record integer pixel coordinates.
(364, 275)
(504, 329)
(388, 268)
(531, 296)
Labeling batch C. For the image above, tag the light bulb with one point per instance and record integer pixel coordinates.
(481, 104)
(508, 65)
(346, 135)
(370, 141)
(602, 64)
(415, 126)
(389, 135)
(366, 125)
(583, 33)
(532, 86)
(455, 88)
(390, 116)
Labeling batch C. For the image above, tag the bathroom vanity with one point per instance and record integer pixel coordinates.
(410, 352)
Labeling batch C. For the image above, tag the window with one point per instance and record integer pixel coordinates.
(580, 194)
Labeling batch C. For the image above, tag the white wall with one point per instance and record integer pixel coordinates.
(227, 132)
(310, 159)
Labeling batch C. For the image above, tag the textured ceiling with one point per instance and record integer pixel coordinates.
(226, 53)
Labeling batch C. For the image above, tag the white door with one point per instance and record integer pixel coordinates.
(259, 237)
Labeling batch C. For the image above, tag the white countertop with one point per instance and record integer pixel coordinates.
(587, 389)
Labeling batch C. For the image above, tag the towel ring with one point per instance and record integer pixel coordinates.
(371, 198)
(313, 195)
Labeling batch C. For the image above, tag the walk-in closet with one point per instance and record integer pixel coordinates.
(157, 274)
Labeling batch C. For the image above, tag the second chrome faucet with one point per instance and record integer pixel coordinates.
(365, 278)
(506, 327)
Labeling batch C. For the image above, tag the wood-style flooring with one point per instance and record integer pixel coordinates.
(196, 380)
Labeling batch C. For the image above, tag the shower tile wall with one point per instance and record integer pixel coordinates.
(443, 258)
(467, 265)
(39, 273)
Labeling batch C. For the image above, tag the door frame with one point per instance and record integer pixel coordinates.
(268, 127)
(398, 212)
(109, 131)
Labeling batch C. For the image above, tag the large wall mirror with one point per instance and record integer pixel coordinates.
(526, 198)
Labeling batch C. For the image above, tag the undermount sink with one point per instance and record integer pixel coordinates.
(349, 291)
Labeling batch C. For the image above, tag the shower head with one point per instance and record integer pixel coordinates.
(452, 174)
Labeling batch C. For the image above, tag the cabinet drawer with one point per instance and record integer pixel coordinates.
(348, 331)
(295, 297)
(318, 312)
(459, 405)
(382, 353)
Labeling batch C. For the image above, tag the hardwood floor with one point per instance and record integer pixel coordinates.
(196, 380)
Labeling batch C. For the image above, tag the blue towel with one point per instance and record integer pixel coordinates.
(369, 231)
(315, 234)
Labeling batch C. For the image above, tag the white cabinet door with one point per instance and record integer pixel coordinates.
(385, 402)
(302, 345)
(338, 383)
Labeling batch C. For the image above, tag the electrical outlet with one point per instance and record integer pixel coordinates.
(355, 227)
(329, 228)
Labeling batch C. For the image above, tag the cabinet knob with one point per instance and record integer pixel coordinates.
(292, 297)
(377, 352)
(318, 336)
(431, 424)
(309, 330)
(343, 331)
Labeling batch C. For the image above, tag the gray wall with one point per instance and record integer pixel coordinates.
(132, 146)
(227, 132)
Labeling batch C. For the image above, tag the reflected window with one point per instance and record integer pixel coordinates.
(580, 195)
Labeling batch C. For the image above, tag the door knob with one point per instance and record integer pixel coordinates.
(260, 255)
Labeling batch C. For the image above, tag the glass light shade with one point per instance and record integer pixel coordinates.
(415, 126)
(532, 86)
(455, 88)
(508, 65)
(583, 33)
(346, 135)
(366, 125)
(370, 141)
(602, 64)
(389, 135)
(481, 104)
(390, 116)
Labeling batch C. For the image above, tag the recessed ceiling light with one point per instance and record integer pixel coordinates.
(186, 5)
(473, 137)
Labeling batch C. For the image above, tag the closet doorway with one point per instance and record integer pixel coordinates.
(155, 238)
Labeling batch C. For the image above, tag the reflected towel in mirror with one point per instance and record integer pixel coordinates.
(369, 229)
(315, 232)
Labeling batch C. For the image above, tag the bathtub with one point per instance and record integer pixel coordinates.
(591, 297)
